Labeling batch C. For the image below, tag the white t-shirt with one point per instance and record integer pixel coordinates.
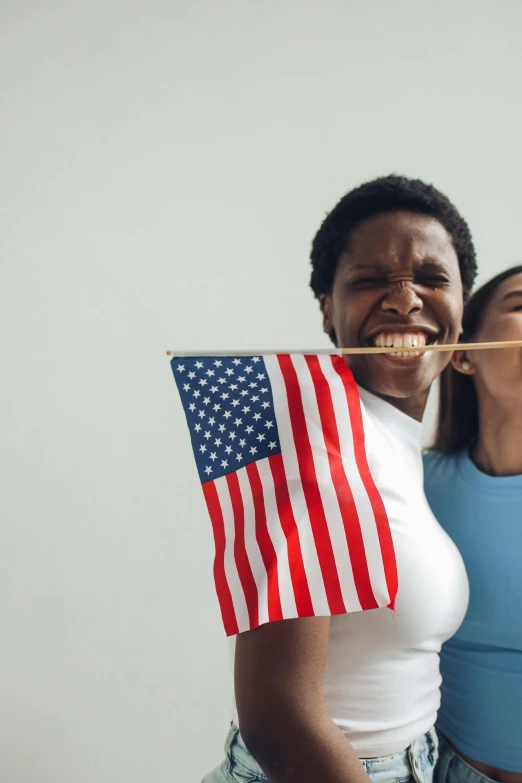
(382, 680)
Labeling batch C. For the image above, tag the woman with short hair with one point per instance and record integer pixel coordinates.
(353, 697)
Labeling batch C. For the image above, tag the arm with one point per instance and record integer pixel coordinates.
(282, 716)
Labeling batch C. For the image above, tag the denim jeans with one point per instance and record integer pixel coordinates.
(451, 768)
(413, 765)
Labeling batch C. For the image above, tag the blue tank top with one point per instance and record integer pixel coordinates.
(481, 666)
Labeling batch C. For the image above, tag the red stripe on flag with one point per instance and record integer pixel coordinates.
(311, 492)
(266, 546)
(303, 599)
(220, 578)
(244, 570)
(381, 517)
(350, 517)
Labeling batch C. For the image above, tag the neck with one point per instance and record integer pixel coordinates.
(411, 406)
(498, 451)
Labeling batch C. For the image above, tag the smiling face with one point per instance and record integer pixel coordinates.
(398, 283)
(498, 374)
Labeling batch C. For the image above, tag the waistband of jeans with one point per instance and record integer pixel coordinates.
(411, 753)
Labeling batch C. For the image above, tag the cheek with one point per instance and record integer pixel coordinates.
(447, 306)
(496, 368)
(349, 313)
(500, 372)
(507, 328)
(454, 312)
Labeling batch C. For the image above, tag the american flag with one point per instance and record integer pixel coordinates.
(299, 526)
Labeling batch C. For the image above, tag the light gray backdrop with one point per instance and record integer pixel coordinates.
(163, 167)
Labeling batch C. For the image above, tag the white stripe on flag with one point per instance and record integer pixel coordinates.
(252, 547)
(231, 572)
(297, 498)
(362, 502)
(326, 488)
(286, 590)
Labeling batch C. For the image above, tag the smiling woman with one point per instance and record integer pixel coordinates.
(458, 424)
(397, 280)
(403, 272)
(354, 697)
(473, 480)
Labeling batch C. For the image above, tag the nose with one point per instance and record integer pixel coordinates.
(402, 299)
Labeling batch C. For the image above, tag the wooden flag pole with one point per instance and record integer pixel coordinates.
(374, 349)
(424, 348)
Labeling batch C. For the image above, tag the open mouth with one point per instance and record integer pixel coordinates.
(413, 339)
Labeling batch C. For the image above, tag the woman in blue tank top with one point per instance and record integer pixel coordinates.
(473, 481)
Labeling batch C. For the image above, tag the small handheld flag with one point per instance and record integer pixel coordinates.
(299, 526)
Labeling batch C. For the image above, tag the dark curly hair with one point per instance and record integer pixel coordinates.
(383, 195)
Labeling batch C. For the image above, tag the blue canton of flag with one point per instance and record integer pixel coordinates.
(229, 407)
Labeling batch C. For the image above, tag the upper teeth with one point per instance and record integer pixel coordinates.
(396, 340)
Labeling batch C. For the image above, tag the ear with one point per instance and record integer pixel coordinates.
(461, 362)
(325, 303)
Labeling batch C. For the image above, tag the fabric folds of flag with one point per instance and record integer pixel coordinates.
(299, 526)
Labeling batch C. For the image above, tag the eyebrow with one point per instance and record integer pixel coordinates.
(381, 267)
(511, 294)
(368, 265)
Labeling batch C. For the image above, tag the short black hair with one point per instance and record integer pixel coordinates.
(384, 195)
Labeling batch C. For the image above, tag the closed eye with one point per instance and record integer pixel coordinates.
(434, 280)
(360, 282)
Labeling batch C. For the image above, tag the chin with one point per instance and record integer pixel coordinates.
(401, 380)
(400, 392)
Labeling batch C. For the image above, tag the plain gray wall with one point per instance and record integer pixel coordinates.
(163, 168)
